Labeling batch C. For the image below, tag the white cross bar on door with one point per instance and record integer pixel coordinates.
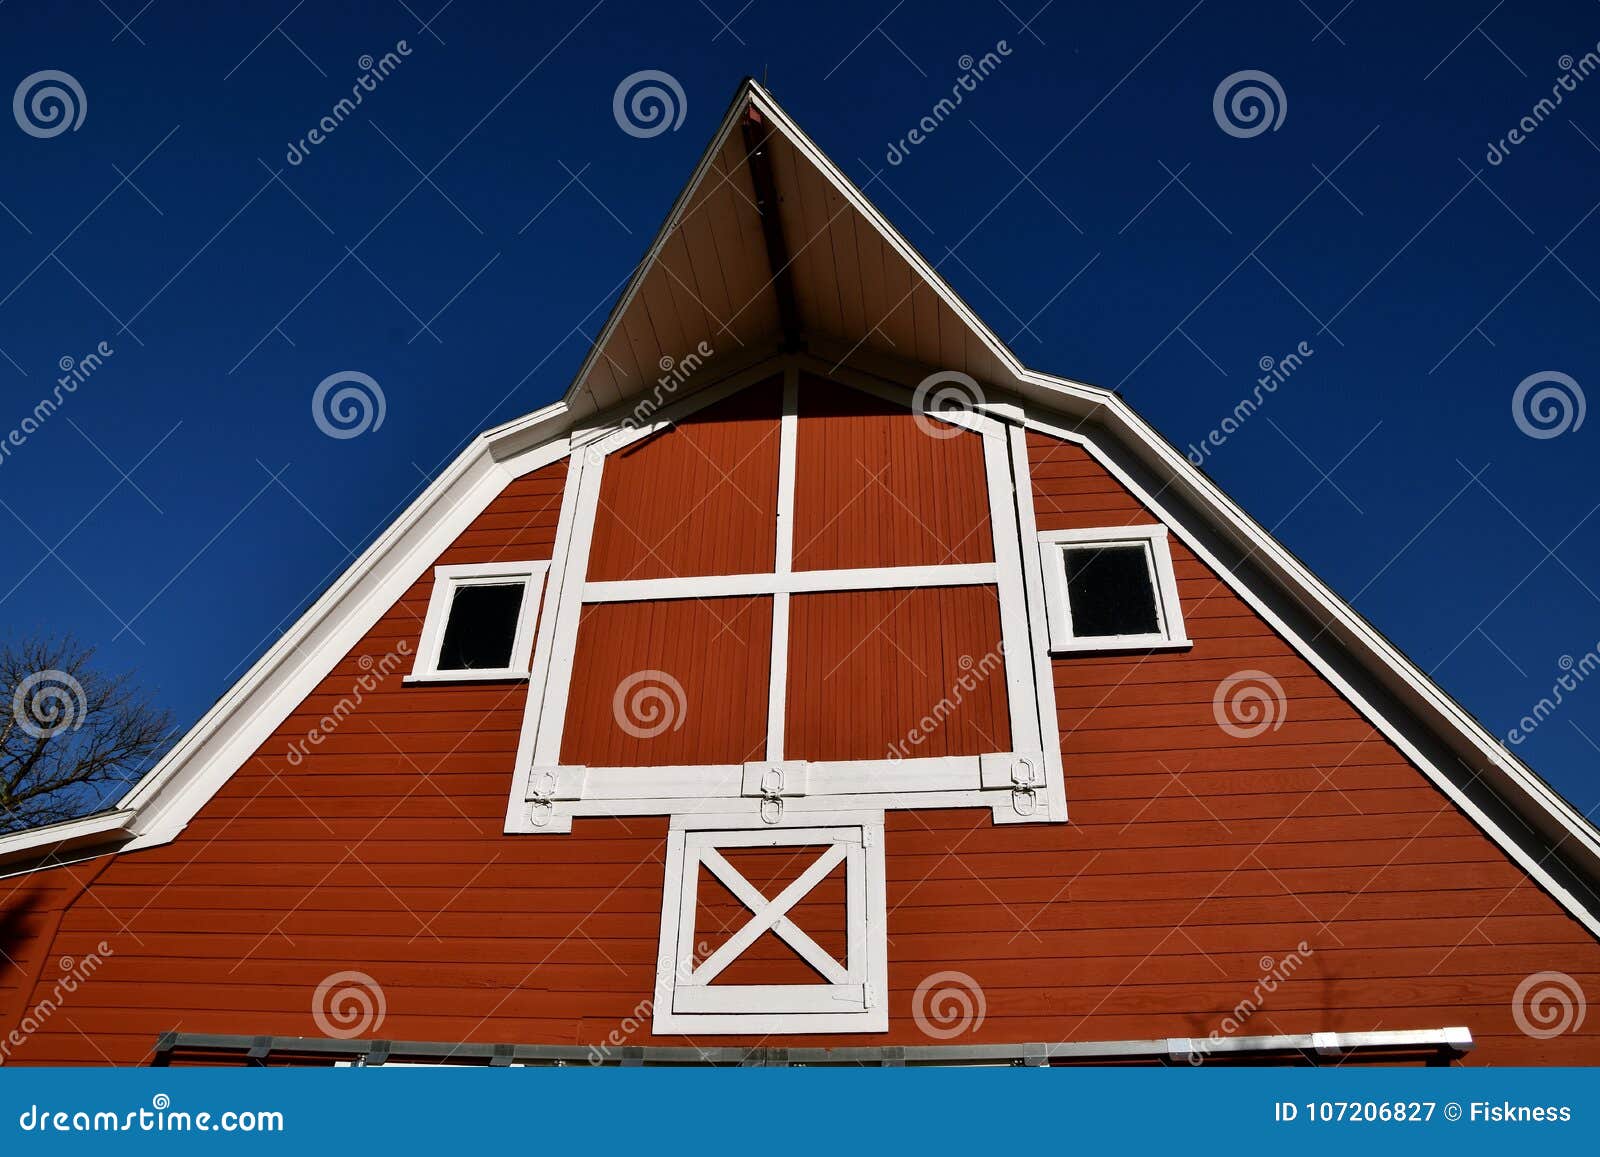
(771, 914)
(849, 992)
(842, 985)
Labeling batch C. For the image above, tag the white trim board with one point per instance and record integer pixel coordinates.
(52, 841)
(783, 564)
(1038, 627)
(792, 582)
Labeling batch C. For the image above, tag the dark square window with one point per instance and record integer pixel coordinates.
(482, 627)
(1110, 592)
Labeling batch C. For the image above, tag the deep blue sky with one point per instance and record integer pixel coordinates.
(1470, 543)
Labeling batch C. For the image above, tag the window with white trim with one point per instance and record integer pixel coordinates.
(835, 873)
(1111, 588)
(480, 621)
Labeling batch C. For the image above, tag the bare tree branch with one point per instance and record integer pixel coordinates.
(66, 730)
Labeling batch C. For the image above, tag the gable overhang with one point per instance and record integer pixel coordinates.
(770, 251)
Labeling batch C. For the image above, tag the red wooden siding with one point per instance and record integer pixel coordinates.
(31, 910)
(872, 489)
(895, 674)
(674, 682)
(1190, 854)
(698, 499)
(518, 526)
(1073, 492)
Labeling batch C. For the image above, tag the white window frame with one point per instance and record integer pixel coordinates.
(1024, 785)
(1053, 547)
(447, 580)
(849, 996)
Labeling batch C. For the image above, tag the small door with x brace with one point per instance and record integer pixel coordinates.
(712, 978)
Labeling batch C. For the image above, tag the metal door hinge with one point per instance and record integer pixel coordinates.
(1021, 772)
(548, 784)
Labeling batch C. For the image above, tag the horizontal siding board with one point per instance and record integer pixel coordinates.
(1203, 829)
(521, 522)
(873, 489)
(378, 915)
(896, 674)
(1007, 994)
(697, 499)
(677, 682)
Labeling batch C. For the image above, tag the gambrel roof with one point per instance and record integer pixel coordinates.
(771, 249)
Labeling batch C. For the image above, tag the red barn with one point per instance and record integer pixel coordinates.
(815, 682)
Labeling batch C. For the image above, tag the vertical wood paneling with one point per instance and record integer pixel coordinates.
(669, 332)
(697, 240)
(896, 673)
(693, 678)
(697, 499)
(709, 283)
(841, 243)
(873, 489)
(875, 304)
(895, 316)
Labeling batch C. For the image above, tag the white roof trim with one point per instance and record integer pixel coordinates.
(53, 839)
(158, 808)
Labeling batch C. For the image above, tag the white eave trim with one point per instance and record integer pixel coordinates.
(69, 835)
